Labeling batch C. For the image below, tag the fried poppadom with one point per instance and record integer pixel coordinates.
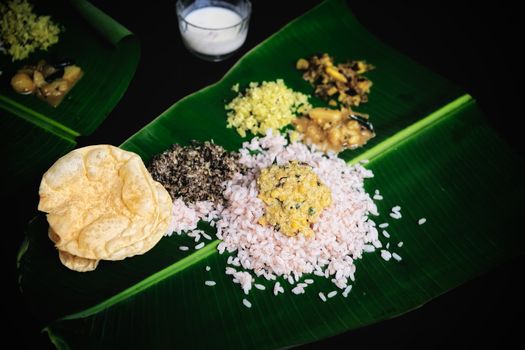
(102, 203)
(73, 262)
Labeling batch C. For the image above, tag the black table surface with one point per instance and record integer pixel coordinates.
(476, 47)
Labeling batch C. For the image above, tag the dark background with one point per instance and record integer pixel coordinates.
(477, 47)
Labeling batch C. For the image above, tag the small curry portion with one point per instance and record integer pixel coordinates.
(335, 130)
(49, 81)
(343, 86)
(294, 197)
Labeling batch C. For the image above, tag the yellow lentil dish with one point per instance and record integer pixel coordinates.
(294, 197)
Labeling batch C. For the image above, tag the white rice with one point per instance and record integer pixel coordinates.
(298, 290)
(386, 255)
(396, 212)
(244, 279)
(230, 270)
(183, 248)
(400, 244)
(421, 221)
(341, 233)
(396, 256)
(368, 248)
(246, 303)
(235, 262)
(186, 217)
(377, 244)
(396, 215)
(332, 294)
(352, 277)
(210, 283)
(277, 288)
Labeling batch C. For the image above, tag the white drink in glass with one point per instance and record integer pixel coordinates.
(213, 32)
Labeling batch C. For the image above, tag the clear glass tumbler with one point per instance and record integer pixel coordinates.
(213, 30)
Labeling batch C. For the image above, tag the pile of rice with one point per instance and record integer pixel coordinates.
(343, 232)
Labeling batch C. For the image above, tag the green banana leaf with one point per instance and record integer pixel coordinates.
(435, 155)
(35, 134)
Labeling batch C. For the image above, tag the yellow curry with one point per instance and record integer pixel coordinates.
(294, 198)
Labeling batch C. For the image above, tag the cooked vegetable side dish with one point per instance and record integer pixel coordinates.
(343, 84)
(335, 130)
(24, 32)
(51, 82)
(261, 107)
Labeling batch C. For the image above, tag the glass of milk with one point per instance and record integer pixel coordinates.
(213, 30)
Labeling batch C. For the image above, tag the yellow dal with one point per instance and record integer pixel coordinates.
(294, 198)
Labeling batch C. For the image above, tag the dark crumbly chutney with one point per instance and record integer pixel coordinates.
(195, 172)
